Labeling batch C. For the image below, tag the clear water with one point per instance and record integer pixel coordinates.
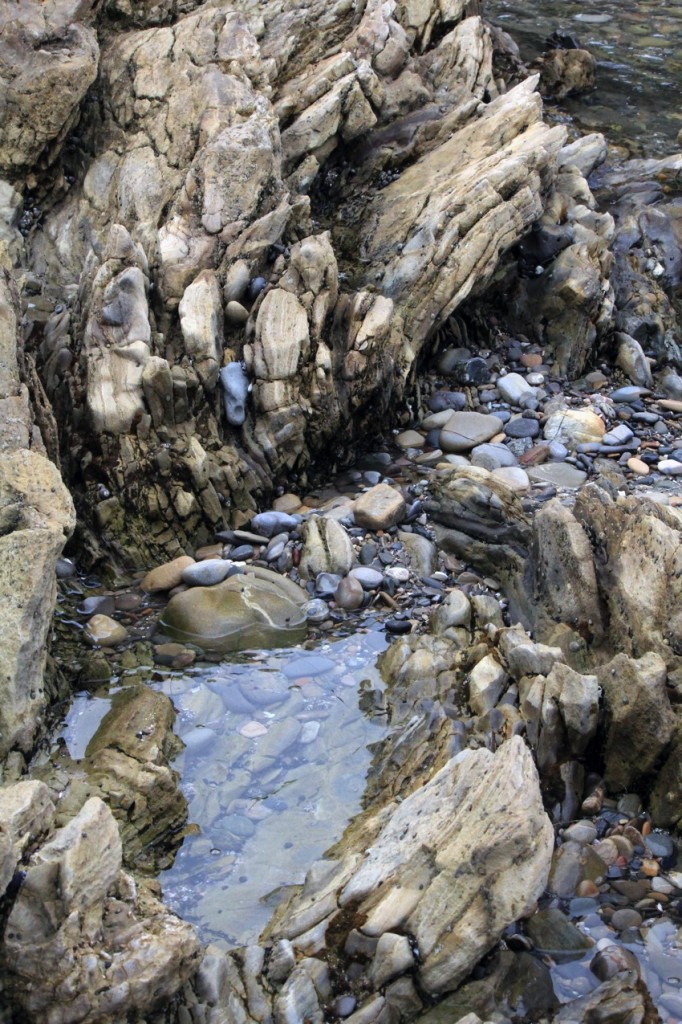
(638, 47)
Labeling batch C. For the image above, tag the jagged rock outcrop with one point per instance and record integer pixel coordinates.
(36, 519)
(218, 140)
(83, 940)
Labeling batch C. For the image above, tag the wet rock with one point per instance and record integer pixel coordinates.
(379, 508)
(268, 524)
(103, 631)
(567, 72)
(326, 548)
(349, 594)
(256, 609)
(621, 998)
(552, 933)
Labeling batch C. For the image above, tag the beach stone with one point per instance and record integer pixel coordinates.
(560, 474)
(454, 400)
(242, 553)
(316, 610)
(552, 933)
(235, 385)
(465, 430)
(522, 426)
(326, 548)
(574, 426)
(421, 552)
(618, 435)
(558, 451)
(288, 503)
(670, 467)
(436, 420)
(166, 576)
(492, 456)
(410, 439)
(349, 594)
(370, 579)
(103, 631)
(379, 508)
(308, 665)
(267, 524)
(638, 467)
(235, 313)
(206, 573)
(513, 477)
(255, 608)
(632, 361)
(513, 388)
(628, 395)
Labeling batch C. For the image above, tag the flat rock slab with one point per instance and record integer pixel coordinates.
(465, 430)
(560, 474)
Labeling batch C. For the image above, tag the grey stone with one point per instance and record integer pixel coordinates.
(235, 385)
(206, 573)
(560, 474)
(513, 387)
(466, 430)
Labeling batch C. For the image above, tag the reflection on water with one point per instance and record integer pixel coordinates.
(273, 768)
(638, 47)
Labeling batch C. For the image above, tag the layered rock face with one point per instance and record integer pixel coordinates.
(223, 174)
(36, 518)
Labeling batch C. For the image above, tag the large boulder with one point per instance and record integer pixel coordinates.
(258, 608)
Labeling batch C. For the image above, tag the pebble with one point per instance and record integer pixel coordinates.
(379, 508)
(166, 576)
(626, 918)
(242, 553)
(102, 631)
(326, 583)
(65, 568)
(370, 579)
(270, 523)
(398, 573)
(514, 477)
(618, 435)
(398, 627)
(441, 400)
(410, 439)
(316, 610)
(252, 729)
(660, 844)
(349, 594)
(628, 394)
(670, 467)
(235, 313)
(492, 456)
(102, 603)
(522, 427)
(308, 665)
(638, 467)
(561, 474)
(466, 430)
(513, 387)
(309, 732)
(206, 573)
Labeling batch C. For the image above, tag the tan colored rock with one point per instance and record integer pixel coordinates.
(48, 58)
(379, 508)
(574, 426)
(26, 813)
(201, 322)
(326, 548)
(282, 336)
(448, 853)
(85, 940)
(167, 576)
(103, 631)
